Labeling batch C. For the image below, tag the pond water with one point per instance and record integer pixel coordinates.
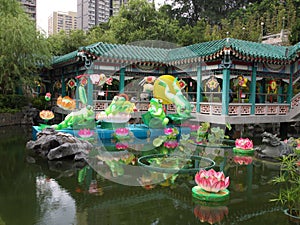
(41, 192)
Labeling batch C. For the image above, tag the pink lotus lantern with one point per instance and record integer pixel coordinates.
(171, 132)
(211, 186)
(244, 143)
(211, 181)
(243, 146)
(85, 133)
(122, 132)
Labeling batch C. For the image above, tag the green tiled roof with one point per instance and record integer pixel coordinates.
(126, 52)
(248, 50)
(258, 50)
(65, 58)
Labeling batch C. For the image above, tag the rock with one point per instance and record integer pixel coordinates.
(52, 145)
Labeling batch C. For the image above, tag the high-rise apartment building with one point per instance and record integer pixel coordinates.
(30, 8)
(92, 12)
(62, 21)
(116, 5)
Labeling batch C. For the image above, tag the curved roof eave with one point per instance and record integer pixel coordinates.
(245, 50)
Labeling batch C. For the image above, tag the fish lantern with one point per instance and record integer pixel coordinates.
(48, 96)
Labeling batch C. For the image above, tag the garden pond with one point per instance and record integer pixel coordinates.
(41, 192)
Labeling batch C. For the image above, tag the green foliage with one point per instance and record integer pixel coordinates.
(22, 49)
(62, 43)
(12, 103)
(289, 181)
(139, 20)
(39, 103)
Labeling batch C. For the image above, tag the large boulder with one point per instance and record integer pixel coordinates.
(52, 145)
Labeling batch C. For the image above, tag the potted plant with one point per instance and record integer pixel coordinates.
(289, 181)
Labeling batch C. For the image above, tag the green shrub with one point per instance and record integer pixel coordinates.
(12, 103)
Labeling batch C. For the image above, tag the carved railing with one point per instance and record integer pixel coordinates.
(207, 108)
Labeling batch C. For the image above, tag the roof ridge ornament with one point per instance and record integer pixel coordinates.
(226, 62)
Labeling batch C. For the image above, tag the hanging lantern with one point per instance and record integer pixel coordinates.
(71, 83)
(272, 88)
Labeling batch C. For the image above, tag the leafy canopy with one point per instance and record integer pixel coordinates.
(22, 49)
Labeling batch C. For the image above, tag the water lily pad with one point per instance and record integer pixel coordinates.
(203, 195)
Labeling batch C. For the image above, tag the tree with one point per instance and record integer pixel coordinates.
(63, 43)
(23, 50)
(139, 20)
(100, 33)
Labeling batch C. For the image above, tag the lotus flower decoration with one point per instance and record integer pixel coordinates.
(171, 144)
(86, 133)
(171, 132)
(122, 133)
(244, 143)
(46, 115)
(211, 181)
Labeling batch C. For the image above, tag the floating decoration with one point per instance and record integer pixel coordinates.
(85, 133)
(71, 83)
(243, 146)
(212, 83)
(117, 113)
(211, 186)
(66, 103)
(84, 118)
(156, 116)
(48, 96)
(46, 115)
(122, 133)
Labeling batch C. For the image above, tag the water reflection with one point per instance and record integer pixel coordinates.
(57, 193)
(56, 206)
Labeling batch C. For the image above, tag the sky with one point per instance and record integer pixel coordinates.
(46, 7)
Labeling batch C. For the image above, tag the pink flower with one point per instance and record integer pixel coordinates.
(85, 133)
(211, 181)
(171, 144)
(244, 143)
(122, 145)
(122, 132)
(194, 127)
(242, 160)
(168, 131)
